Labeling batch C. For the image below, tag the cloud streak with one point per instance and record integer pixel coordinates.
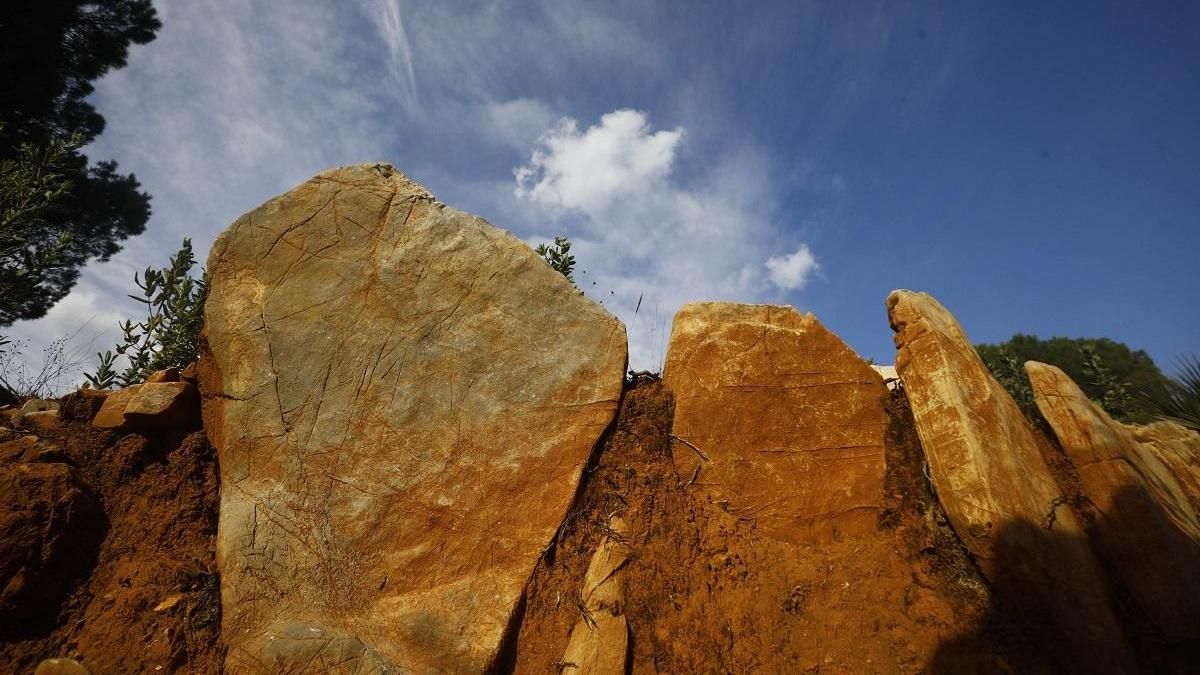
(389, 21)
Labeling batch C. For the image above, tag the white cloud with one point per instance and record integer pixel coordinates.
(641, 231)
(791, 272)
(587, 170)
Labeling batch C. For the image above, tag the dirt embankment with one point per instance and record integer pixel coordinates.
(706, 591)
(147, 599)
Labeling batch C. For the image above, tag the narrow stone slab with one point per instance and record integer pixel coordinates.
(1145, 526)
(776, 418)
(994, 484)
(403, 397)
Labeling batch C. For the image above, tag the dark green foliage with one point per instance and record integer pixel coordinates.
(1009, 371)
(1114, 393)
(1122, 370)
(559, 257)
(32, 247)
(1179, 401)
(170, 334)
(50, 52)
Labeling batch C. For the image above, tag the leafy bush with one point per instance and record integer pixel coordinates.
(1009, 371)
(559, 257)
(1114, 394)
(170, 334)
(1120, 367)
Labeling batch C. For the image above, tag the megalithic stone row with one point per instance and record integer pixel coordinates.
(1145, 526)
(995, 486)
(403, 398)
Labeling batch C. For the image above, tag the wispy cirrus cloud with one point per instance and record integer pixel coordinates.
(388, 19)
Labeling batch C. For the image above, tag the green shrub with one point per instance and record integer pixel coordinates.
(1113, 393)
(559, 257)
(1119, 367)
(171, 332)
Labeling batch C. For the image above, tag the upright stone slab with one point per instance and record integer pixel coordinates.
(776, 418)
(994, 484)
(403, 398)
(1145, 525)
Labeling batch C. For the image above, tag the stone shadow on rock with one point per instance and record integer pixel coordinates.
(1023, 630)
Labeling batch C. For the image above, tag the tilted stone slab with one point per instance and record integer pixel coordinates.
(1145, 525)
(995, 486)
(776, 418)
(403, 398)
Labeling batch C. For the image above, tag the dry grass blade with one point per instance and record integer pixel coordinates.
(692, 446)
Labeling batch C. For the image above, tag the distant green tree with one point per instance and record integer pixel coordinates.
(1132, 370)
(33, 247)
(50, 53)
(559, 257)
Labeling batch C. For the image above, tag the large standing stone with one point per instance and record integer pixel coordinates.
(1145, 525)
(403, 397)
(996, 488)
(783, 421)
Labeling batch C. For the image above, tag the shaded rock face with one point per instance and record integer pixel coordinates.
(777, 418)
(994, 484)
(50, 524)
(1145, 525)
(403, 398)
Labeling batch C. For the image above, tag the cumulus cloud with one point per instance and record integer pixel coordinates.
(791, 272)
(644, 235)
(587, 170)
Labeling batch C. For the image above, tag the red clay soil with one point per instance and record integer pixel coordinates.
(706, 591)
(151, 603)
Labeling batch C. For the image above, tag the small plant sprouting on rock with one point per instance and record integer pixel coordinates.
(559, 257)
(170, 334)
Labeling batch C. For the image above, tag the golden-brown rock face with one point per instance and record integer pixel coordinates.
(403, 398)
(1178, 448)
(996, 488)
(776, 418)
(1145, 525)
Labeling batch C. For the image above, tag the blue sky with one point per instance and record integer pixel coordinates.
(1032, 165)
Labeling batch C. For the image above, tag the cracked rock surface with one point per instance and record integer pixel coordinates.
(403, 398)
(777, 419)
